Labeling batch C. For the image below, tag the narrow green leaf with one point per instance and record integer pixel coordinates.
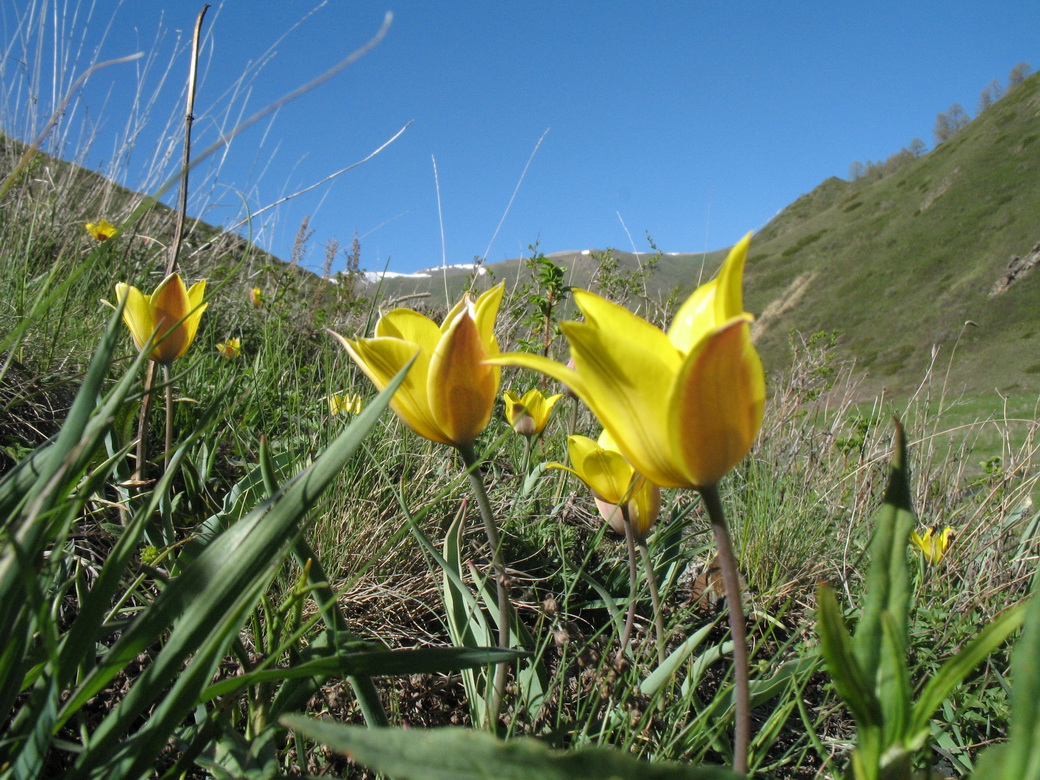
(204, 597)
(1023, 749)
(462, 754)
(888, 578)
(893, 683)
(845, 671)
(665, 671)
(425, 660)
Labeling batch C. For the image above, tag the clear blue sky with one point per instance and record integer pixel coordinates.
(696, 121)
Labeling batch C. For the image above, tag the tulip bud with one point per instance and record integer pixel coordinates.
(524, 423)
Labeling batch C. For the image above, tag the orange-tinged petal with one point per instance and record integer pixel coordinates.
(461, 387)
(717, 406)
(170, 305)
(381, 359)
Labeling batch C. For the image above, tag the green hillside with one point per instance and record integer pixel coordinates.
(900, 264)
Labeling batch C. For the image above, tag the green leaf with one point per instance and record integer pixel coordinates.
(1023, 749)
(888, 579)
(461, 754)
(424, 660)
(665, 671)
(846, 673)
(208, 602)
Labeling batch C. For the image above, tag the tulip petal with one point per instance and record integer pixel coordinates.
(411, 326)
(137, 313)
(486, 309)
(606, 472)
(729, 299)
(542, 365)
(714, 303)
(694, 318)
(196, 306)
(381, 359)
(717, 405)
(170, 305)
(627, 369)
(461, 387)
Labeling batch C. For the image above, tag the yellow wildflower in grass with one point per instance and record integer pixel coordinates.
(614, 483)
(529, 414)
(103, 230)
(341, 403)
(931, 545)
(450, 390)
(230, 349)
(256, 297)
(172, 313)
(683, 407)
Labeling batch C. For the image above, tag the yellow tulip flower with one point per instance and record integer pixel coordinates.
(256, 297)
(103, 230)
(614, 483)
(341, 403)
(450, 391)
(932, 546)
(230, 349)
(530, 414)
(684, 407)
(171, 313)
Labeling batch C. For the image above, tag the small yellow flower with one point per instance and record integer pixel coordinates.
(103, 230)
(230, 349)
(450, 391)
(341, 403)
(530, 414)
(931, 545)
(171, 313)
(685, 406)
(614, 483)
(256, 297)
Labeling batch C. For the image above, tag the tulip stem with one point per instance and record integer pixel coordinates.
(633, 583)
(169, 416)
(141, 471)
(469, 458)
(738, 630)
(655, 597)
